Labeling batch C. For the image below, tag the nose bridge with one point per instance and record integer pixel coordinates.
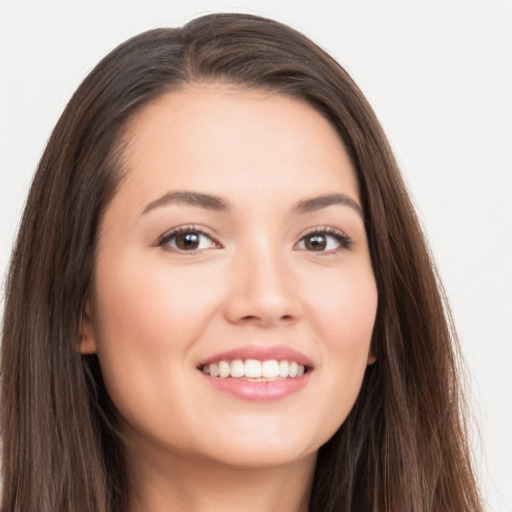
(263, 288)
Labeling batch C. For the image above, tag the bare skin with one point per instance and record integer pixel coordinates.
(238, 230)
(206, 487)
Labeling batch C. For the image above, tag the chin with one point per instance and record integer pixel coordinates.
(262, 458)
(265, 446)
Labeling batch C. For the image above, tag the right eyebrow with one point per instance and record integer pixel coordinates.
(206, 201)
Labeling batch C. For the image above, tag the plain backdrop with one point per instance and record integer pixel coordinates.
(439, 76)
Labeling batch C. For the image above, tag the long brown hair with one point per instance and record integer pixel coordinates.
(403, 446)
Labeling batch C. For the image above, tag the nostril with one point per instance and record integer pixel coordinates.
(255, 318)
(260, 308)
(249, 318)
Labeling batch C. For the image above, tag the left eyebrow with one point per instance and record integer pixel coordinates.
(317, 203)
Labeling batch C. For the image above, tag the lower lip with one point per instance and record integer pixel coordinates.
(258, 391)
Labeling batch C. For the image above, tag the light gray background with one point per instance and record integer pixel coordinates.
(439, 75)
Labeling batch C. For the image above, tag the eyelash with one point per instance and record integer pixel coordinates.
(167, 237)
(342, 238)
(344, 241)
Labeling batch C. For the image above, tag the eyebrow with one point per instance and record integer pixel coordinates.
(191, 199)
(317, 203)
(218, 204)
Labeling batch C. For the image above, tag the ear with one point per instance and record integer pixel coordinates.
(371, 358)
(87, 336)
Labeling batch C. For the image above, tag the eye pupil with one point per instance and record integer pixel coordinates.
(316, 242)
(188, 241)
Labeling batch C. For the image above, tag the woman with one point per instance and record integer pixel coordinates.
(221, 298)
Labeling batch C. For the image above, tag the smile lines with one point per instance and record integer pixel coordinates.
(254, 369)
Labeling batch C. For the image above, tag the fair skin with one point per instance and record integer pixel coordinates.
(270, 263)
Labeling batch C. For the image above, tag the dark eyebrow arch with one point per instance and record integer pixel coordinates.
(317, 203)
(189, 198)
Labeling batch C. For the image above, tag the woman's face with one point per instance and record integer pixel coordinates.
(235, 245)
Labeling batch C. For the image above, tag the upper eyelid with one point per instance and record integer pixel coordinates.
(162, 239)
(345, 240)
(328, 230)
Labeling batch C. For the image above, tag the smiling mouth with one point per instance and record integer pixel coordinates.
(254, 370)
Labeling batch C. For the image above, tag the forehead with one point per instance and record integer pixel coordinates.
(221, 140)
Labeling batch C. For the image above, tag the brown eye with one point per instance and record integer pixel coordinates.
(324, 240)
(315, 242)
(187, 241)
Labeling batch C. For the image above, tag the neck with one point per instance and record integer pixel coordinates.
(194, 485)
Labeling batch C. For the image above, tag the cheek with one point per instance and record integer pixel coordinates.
(146, 320)
(345, 307)
(149, 304)
(344, 316)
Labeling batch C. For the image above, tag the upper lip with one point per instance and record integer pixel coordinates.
(260, 353)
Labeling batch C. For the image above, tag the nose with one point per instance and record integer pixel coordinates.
(263, 289)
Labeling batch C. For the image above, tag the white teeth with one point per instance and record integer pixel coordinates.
(214, 370)
(237, 368)
(271, 369)
(253, 369)
(283, 369)
(224, 369)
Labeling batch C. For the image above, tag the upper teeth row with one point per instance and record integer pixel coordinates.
(252, 368)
